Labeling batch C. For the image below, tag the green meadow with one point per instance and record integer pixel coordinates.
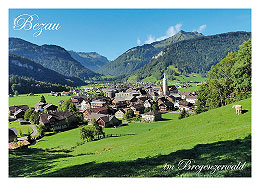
(21, 129)
(215, 137)
(24, 99)
(192, 88)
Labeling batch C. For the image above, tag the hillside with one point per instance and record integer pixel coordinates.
(218, 136)
(50, 56)
(191, 56)
(137, 57)
(90, 60)
(26, 85)
(21, 66)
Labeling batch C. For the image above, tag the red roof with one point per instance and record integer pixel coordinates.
(24, 143)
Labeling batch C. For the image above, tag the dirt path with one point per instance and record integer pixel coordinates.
(34, 130)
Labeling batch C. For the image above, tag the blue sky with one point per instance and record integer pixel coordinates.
(111, 32)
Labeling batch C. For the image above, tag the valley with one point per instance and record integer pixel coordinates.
(187, 97)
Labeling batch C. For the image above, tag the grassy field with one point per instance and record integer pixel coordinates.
(214, 137)
(21, 129)
(192, 88)
(23, 99)
(180, 78)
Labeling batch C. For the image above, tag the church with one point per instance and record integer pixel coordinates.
(166, 90)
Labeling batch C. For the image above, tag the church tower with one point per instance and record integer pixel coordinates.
(165, 86)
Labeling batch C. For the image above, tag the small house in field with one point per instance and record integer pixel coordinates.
(152, 116)
(12, 134)
(185, 105)
(13, 109)
(31, 94)
(19, 114)
(105, 120)
(120, 114)
(57, 120)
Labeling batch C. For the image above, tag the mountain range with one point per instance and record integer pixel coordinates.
(90, 60)
(52, 57)
(183, 53)
(21, 66)
(139, 56)
(196, 55)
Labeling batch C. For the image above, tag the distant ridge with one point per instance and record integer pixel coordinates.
(90, 60)
(195, 55)
(50, 56)
(20, 66)
(139, 56)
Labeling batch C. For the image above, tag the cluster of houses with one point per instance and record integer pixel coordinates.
(109, 108)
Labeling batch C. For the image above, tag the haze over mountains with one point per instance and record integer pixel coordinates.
(90, 60)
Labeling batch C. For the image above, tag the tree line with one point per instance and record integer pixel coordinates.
(192, 56)
(25, 85)
(227, 81)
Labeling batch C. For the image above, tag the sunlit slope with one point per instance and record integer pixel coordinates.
(215, 125)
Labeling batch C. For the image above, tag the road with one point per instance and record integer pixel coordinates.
(32, 134)
(34, 130)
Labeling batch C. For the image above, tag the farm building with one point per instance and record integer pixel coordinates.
(57, 120)
(104, 120)
(152, 116)
(120, 114)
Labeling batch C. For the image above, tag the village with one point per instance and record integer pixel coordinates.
(109, 105)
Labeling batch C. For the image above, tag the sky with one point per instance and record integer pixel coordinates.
(111, 32)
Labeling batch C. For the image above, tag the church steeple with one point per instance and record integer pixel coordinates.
(165, 86)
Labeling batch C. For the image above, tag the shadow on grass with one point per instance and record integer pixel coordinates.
(220, 153)
(164, 119)
(244, 111)
(23, 162)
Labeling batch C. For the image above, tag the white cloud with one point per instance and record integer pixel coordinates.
(150, 39)
(178, 27)
(200, 29)
(138, 41)
(172, 30)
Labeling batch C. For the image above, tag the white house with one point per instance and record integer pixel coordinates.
(152, 116)
(97, 104)
(191, 99)
(147, 104)
(120, 113)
